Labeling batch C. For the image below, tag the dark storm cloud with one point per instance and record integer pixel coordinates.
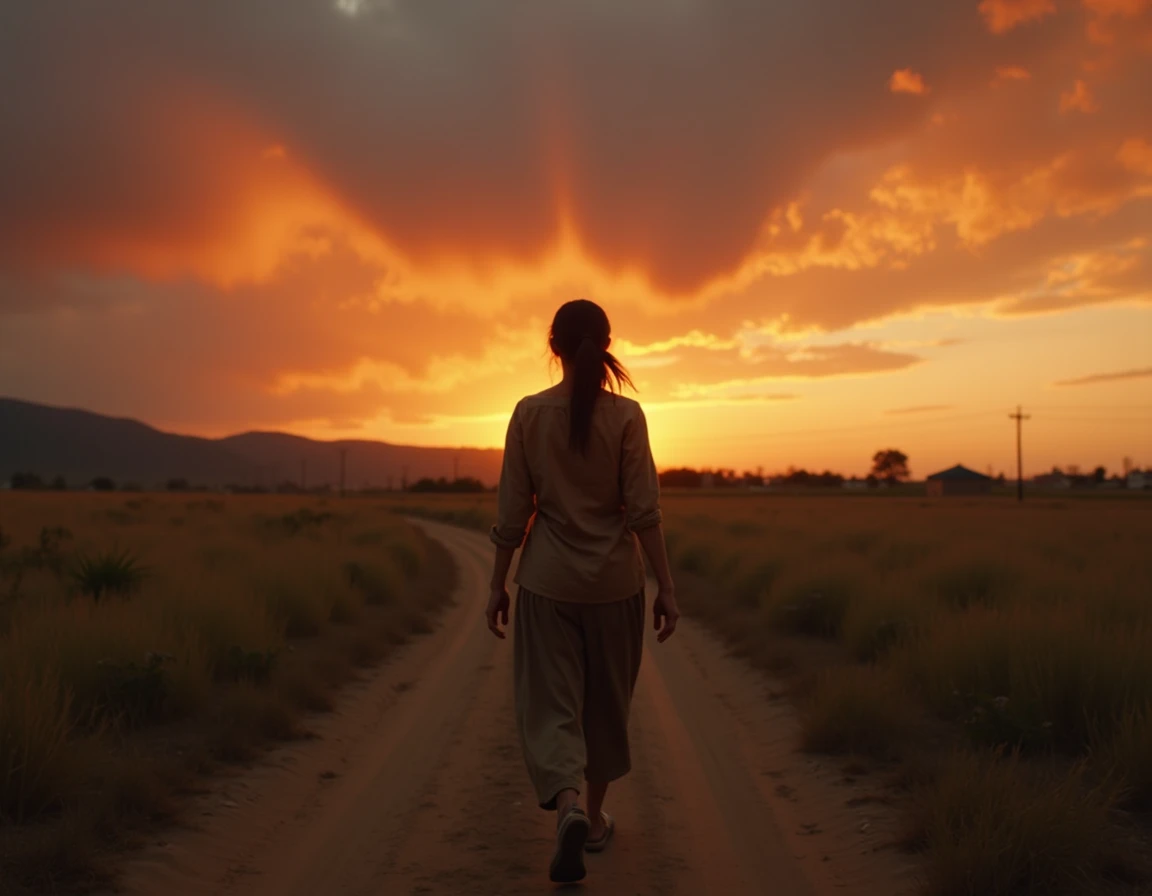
(668, 129)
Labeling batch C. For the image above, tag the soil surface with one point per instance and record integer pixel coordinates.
(415, 785)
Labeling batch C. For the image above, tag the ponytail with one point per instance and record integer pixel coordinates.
(580, 334)
(588, 376)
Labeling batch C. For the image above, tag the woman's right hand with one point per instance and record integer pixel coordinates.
(665, 613)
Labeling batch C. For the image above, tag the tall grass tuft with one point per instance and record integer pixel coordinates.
(378, 582)
(37, 754)
(1125, 755)
(859, 711)
(107, 572)
(814, 606)
(1016, 673)
(997, 826)
(121, 662)
(891, 617)
(969, 583)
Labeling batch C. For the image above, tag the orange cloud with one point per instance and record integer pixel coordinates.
(907, 81)
(1011, 73)
(1086, 278)
(1102, 28)
(1135, 154)
(1001, 16)
(1079, 99)
(217, 201)
(1126, 8)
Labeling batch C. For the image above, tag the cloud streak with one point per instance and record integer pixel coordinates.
(1093, 379)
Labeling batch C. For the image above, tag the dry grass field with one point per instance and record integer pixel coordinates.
(993, 660)
(146, 638)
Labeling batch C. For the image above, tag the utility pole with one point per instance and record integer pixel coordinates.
(343, 461)
(1019, 417)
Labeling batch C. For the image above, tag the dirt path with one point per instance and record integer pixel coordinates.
(415, 785)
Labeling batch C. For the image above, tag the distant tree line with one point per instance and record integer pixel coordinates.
(889, 466)
(34, 482)
(463, 485)
(1072, 477)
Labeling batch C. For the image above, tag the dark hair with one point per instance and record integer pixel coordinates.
(581, 335)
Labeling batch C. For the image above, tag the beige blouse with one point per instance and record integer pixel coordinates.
(579, 511)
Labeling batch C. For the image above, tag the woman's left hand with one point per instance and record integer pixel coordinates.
(497, 611)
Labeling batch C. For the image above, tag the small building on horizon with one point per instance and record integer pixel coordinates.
(958, 480)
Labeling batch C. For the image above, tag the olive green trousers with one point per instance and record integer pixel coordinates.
(575, 667)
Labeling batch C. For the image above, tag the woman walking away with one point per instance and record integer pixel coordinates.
(579, 479)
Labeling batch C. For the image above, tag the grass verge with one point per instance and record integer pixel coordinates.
(217, 627)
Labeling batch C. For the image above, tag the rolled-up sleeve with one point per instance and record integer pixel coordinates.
(516, 498)
(638, 479)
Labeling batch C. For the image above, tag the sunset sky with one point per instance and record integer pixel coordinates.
(820, 227)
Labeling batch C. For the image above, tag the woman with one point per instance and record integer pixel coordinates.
(578, 468)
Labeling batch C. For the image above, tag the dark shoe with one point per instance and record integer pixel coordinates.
(571, 834)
